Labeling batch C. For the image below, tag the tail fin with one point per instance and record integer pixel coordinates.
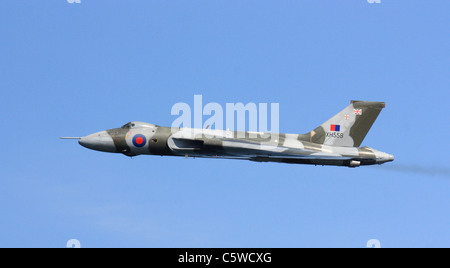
(350, 126)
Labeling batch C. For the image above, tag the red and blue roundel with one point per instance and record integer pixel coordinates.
(139, 140)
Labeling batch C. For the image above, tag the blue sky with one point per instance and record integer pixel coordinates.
(74, 69)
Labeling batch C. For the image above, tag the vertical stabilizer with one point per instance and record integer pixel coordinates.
(350, 126)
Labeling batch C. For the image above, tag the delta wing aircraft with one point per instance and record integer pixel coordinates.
(336, 142)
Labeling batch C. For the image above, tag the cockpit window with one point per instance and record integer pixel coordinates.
(136, 124)
(127, 125)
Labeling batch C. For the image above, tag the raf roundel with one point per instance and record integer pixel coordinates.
(139, 140)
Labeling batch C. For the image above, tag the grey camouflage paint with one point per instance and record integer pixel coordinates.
(322, 146)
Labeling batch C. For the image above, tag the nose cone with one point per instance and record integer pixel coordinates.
(100, 141)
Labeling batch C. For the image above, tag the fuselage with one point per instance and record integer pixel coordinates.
(138, 138)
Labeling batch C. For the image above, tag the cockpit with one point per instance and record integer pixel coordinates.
(136, 124)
